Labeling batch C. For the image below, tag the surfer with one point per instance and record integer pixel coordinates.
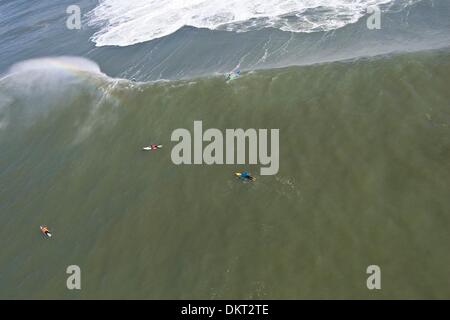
(45, 231)
(152, 147)
(245, 176)
(234, 74)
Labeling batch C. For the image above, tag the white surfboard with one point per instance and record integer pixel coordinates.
(151, 148)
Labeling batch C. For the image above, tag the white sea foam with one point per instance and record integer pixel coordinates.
(124, 22)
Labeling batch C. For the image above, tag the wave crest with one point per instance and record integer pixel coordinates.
(124, 22)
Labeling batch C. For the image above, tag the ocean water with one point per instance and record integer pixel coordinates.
(364, 120)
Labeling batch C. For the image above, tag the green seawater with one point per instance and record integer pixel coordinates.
(364, 180)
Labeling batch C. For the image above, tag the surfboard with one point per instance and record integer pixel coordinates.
(239, 175)
(232, 76)
(150, 148)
